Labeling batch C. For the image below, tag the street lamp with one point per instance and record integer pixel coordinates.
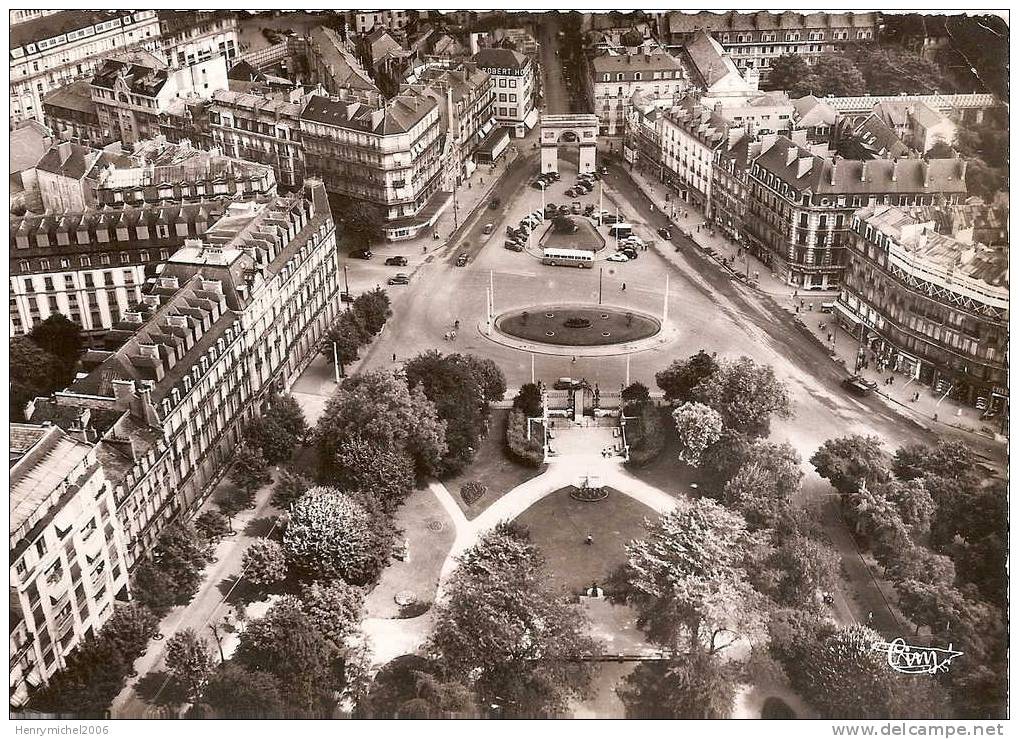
(346, 283)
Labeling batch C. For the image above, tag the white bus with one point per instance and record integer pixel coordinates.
(568, 258)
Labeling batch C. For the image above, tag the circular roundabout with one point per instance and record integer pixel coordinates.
(578, 326)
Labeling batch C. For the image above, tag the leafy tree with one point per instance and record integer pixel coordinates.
(834, 74)
(746, 395)
(181, 554)
(385, 413)
(250, 470)
(698, 687)
(412, 686)
(766, 481)
(388, 475)
(362, 221)
(92, 677)
(34, 372)
(980, 681)
(687, 578)
(935, 605)
(129, 629)
(264, 562)
(343, 340)
(331, 534)
(189, 661)
(806, 568)
(636, 392)
(285, 644)
(528, 400)
(948, 458)
(564, 225)
(836, 669)
(914, 503)
(212, 525)
(921, 564)
(334, 608)
(372, 310)
(849, 460)
(153, 588)
(722, 459)
(787, 73)
(289, 487)
(680, 378)
(487, 374)
(236, 693)
(698, 427)
(526, 451)
(63, 340)
(459, 401)
(437, 698)
(504, 632)
(279, 430)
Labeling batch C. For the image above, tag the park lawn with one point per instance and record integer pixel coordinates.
(493, 467)
(417, 517)
(666, 472)
(559, 526)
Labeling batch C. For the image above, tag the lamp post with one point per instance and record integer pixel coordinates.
(600, 270)
(336, 363)
(346, 284)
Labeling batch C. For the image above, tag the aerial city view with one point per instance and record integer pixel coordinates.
(481, 364)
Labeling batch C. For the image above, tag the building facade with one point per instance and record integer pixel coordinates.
(388, 155)
(801, 204)
(366, 21)
(67, 552)
(691, 134)
(190, 37)
(261, 128)
(233, 317)
(71, 115)
(616, 78)
(513, 83)
(932, 306)
(48, 52)
(130, 95)
(90, 266)
(755, 40)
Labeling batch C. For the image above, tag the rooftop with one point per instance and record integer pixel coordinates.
(141, 79)
(46, 458)
(339, 62)
(158, 162)
(498, 58)
(75, 96)
(679, 22)
(57, 24)
(29, 141)
(709, 59)
(399, 115)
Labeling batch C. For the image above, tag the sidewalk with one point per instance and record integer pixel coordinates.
(931, 411)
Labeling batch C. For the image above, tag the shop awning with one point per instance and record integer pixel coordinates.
(847, 313)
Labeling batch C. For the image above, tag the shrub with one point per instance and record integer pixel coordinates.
(472, 491)
(645, 436)
(530, 452)
(264, 563)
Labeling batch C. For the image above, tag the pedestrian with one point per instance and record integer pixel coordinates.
(394, 356)
(624, 287)
(830, 338)
(935, 418)
(574, 360)
(589, 540)
(452, 335)
(870, 616)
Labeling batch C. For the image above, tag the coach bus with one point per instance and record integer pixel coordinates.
(568, 258)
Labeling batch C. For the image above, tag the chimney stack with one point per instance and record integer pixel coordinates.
(790, 155)
(895, 164)
(925, 167)
(863, 171)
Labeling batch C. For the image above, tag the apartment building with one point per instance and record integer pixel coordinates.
(332, 63)
(187, 120)
(387, 154)
(366, 21)
(755, 40)
(131, 92)
(160, 171)
(190, 37)
(729, 194)
(67, 552)
(233, 317)
(23, 15)
(916, 123)
(466, 101)
(50, 51)
(68, 175)
(616, 78)
(90, 265)
(690, 136)
(513, 82)
(71, 115)
(935, 307)
(263, 128)
(801, 204)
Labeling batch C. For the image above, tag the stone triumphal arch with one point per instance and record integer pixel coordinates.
(580, 127)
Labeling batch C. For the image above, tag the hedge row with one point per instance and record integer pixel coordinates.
(646, 435)
(529, 452)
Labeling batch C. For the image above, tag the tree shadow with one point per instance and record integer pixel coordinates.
(260, 527)
(160, 688)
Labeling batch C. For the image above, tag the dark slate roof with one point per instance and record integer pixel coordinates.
(399, 115)
(49, 26)
(876, 136)
(75, 96)
(807, 171)
(679, 22)
(140, 79)
(499, 58)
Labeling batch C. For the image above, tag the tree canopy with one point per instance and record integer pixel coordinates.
(680, 378)
(746, 395)
(700, 686)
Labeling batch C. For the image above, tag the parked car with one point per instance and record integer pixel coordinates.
(462, 259)
(399, 279)
(488, 229)
(603, 170)
(577, 206)
(564, 210)
(510, 230)
(568, 383)
(619, 256)
(859, 385)
(362, 254)
(396, 262)
(514, 246)
(538, 184)
(610, 219)
(572, 192)
(665, 233)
